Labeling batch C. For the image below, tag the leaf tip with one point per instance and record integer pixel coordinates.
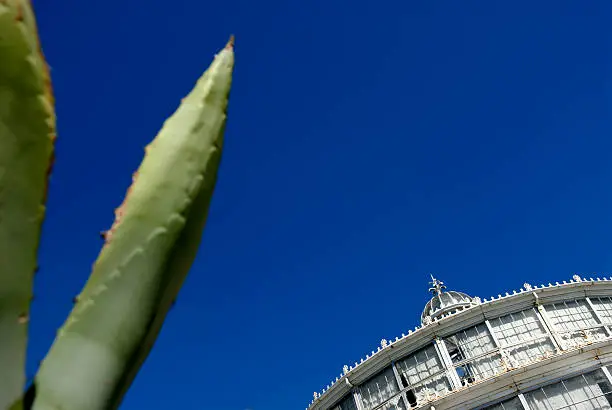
(230, 43)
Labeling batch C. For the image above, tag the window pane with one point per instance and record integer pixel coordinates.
(423, 373)
(378, 389)
(603, 306)
(348, 403)
(511, 404)
(523, 337)
(575, 321)
(469, 343)
(584, 392)
(571, 315)
(420, 366)
(395, 403)
(475, 349)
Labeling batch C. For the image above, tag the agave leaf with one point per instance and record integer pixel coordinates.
(179, 263)
(147, 254)
(27, 133)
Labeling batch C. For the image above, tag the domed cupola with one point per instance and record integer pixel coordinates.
(444, 303)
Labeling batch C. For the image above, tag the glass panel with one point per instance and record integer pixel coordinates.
(575, 321)
(523, 337)
(395, 403)
(511, 404)
(481, 368)
(378, 389)
(469, 343)
(603, 306)
(348, 403)
(423, 375)
(423, 371)
(475, 350)
(585, 392)
(571, 315)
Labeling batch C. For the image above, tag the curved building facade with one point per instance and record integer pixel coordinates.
(541, 348)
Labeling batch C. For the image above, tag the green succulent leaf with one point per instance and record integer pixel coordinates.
(147, 255)
(27, 133)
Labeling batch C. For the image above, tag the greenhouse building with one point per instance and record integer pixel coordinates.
(541, 348)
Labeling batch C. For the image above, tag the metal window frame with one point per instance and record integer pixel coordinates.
(447, 362)
(444, 371)
(597, 317)
(548, 325)
(398, 380)
(357, 398)
(523, 401)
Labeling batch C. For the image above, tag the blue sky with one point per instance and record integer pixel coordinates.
(368, 144)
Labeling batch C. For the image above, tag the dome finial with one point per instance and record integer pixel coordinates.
(444, 303)
(437, 286)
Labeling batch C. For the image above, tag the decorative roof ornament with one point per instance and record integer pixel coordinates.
(384, 343)
(527, 286)
(345, 369)
(444, 303)
(437, 286)
(577, 278)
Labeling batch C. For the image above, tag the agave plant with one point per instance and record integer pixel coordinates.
(147, 252)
